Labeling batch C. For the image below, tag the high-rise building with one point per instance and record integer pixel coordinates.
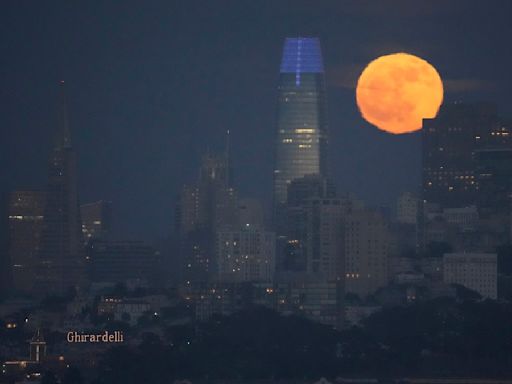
(319, 300)
(449, 143)
(62, 254)
(292, 253)
(302, 137)
(323, 242)
(307, 187)
(245, 255)
(366, 248)
(494, 175)
(96, 220)
(5, 263)
(466, 153)
(209, 203)
(476, 271)
(203, 209)
(407, 209)
(251, 211)
(26, 210)
(119, 261)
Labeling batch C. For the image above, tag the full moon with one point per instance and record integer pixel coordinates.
(396, 92)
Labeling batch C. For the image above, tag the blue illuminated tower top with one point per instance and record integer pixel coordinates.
(302, 55)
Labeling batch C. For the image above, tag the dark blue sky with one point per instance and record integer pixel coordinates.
(152, 84)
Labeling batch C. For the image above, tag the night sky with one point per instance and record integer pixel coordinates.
(152, 84)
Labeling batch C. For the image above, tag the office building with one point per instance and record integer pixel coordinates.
(204, 208)
(302, 137)
(251, 211)
(475, 271)
(119, 261)
(323, 240)
(407, 209)
(449, 143)
(245, 255)
(292, 242)
(26, 210)
(96, 220)
(464, 219)
(494, 175)
(319, 300)
(366, 248)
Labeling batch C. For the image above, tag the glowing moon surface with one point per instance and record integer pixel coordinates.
(396, 92)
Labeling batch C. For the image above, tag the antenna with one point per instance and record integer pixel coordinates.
(64, 133)
(228, 159)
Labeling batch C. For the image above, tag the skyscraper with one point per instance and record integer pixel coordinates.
(204, 208)
(302, 137)
(62, 254)
(292, 251)
(465, 163)
(119, 261)
(26, 209)
(96, 219)
(245, 254)
(366, 241)
(449, 143)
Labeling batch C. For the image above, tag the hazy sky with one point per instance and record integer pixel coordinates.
(152, 84)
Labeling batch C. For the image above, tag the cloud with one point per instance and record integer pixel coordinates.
(344, 76)
(467, 85)
(421, 49)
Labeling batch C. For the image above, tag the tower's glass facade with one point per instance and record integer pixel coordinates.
(301, 140)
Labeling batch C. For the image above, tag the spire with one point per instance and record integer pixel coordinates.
(302, 55)
(38, 337)
(227, 145)
(228, 158)
(63, 139)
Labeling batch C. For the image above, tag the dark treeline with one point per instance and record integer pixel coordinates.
(434, 338)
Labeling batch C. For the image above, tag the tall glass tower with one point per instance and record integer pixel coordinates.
(301, 140)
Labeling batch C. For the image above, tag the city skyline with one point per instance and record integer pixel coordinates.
(147, 106)
(256, 192)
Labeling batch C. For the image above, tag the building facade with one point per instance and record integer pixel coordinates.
(293, 241)
(96, 220)
(245, 255)
(449, 144)
(62, 254)
(366, 249)
(324, 243)
(407, 209)
(476, 271)
(26, 210)
(119, 261)
(203, 209)
(302, 132)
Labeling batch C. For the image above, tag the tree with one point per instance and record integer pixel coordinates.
(49, 378)
(72, 376)
(466, 294)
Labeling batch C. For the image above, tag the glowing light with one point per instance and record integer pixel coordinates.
(396, 92)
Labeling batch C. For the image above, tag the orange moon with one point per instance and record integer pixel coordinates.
(396, 92)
